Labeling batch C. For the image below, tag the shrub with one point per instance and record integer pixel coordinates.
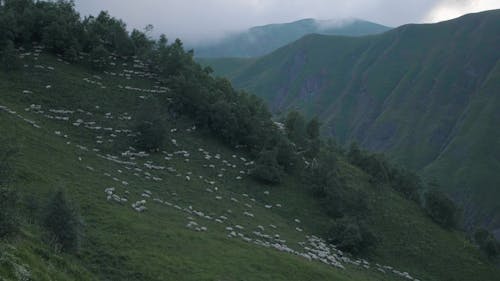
(99, 58)
(149, 126)
(487, 243)
(441, 209)
(63, 223)
(295, 128)
(9, 57)
(407, 183)
(286, 156)
(9, 222)
(7, 153)
(351, 235)
(267, 168)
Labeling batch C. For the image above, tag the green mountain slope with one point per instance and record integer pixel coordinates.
(70, 126)
(123, 159)
(261, 40)
(427, 94)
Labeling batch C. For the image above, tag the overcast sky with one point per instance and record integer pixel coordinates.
(202, 20)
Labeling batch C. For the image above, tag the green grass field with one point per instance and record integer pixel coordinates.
(80, 144)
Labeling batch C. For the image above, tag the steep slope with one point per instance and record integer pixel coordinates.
(262, 40)
(427, 94)
(71, 128)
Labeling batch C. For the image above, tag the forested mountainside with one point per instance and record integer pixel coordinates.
(426, 94)
(138, 164)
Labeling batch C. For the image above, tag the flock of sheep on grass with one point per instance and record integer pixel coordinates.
(241, 221)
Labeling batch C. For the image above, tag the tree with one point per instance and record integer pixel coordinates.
(441, 209)
(9, 57)
(142, 44)
(312, 128)
(9, 221)
(9, 217)
(7, 153)
(321, 174)
(286, 156)
(63, 223)
(60, 27)
(351, 235)
(487, 243)
(267, 168)
(99, 58)
(407, 183)
(295, 128)
(109, 32)
(149, 126)
(354, 154)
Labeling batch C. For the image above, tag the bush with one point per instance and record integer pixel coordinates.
(9, 221)
(321, 174)
(286, 156)
(99, 58)
(351, 235)
(487, 243)
(267, 168)
(63, 223)
(7, 153)
(149, 126)
(9, 57)
(407, 183)
(441, 209)
(295, 128)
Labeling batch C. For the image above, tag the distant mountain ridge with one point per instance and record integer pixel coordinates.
(261, 40)
(427, 94)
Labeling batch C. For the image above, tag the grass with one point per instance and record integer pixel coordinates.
(122, 244)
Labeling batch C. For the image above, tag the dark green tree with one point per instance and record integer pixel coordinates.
(351, 235)
(149, 126)
(267, 168)
(286, 155)
(60, 26)
(142, 43)
(9, 57)
(487, 243)
(9, 219)
(312, 128)
(354, 154)
(441, 209)
(63, 223)
(295, 128)
(99, 58)
(406, 182)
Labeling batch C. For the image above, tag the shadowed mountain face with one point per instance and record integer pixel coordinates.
(429, 95)
(262, 40)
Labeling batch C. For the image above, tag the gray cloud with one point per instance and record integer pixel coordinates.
(202, 20)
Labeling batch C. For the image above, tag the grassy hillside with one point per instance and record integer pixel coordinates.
(202, 222)
(262, 40)
(426, 94)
